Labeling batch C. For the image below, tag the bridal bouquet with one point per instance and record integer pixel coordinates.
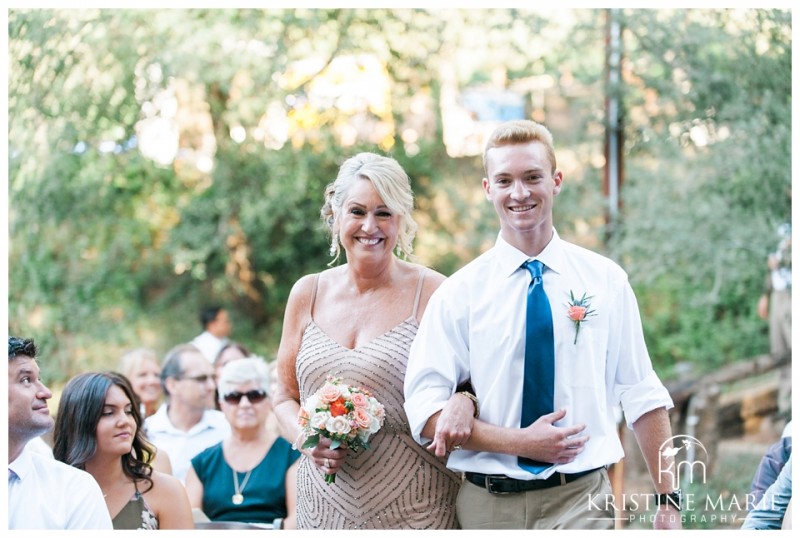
(346, 415)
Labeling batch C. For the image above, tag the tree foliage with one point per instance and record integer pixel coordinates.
(113, 246)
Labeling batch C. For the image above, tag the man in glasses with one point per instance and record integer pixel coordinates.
(186, 423)
(42, 493)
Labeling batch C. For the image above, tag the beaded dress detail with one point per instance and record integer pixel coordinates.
(396, 484)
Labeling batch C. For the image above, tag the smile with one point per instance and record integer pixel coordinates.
(520, 209)
(369, 242)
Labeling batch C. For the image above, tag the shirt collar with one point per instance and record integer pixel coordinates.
(22, 465)
(509, 258)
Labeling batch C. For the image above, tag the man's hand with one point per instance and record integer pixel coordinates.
(542, 441)
(454, 426)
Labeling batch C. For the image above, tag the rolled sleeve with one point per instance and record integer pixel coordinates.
(424, 403)
(644, 396)
(436, 362)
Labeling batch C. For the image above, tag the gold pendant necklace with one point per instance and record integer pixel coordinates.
(238, 498)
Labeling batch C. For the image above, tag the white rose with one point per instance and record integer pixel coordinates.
(338, 425)
(311, 404)
(320, 420)
(374, 426)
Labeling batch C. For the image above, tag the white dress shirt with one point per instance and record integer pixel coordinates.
(474, 328)
(209, 345)
(182, 446)
(49, 494)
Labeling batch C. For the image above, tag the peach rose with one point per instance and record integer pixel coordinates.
(330, 393)
(360, 400)
(362, 418)
(302, 417)
(576, 313)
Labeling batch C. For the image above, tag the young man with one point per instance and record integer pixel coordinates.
(186, 424)
(216, 330)
(42, 493)
(549, 335)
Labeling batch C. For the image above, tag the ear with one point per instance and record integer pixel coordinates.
(170, 383)
(558, 177)
(487, 188)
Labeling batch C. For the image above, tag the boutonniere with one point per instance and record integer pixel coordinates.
(578, 311)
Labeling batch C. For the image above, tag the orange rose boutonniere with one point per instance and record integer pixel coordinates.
(578, 311)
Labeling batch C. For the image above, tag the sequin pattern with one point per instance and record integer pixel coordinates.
(396, 484)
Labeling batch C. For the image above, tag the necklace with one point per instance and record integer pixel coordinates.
(238, 498)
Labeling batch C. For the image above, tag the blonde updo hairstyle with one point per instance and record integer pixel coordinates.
(393, 186)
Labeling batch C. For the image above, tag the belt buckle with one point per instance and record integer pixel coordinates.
(488, 484)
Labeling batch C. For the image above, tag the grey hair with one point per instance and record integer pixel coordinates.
(245, 370)
(393, 186)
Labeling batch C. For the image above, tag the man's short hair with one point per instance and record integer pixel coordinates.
(209, 314)
(173, 363)
(521, 132)
(21, 347)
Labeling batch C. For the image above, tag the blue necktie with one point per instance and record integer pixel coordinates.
(537, 387)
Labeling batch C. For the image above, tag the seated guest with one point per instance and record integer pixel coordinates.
(99, 430)
(141, 367)
(229, 352)
(186, 424)
(250, 476)
(42, 493)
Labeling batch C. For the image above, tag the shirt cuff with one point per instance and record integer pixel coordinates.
(643, 397)
(421, 406)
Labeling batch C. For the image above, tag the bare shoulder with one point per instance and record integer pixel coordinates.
(433, 279)
(165, 486)
(300, 295)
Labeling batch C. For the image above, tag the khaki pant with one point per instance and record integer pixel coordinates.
(780, 323)
(559, 507)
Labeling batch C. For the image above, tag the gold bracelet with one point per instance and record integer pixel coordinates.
(474, 399)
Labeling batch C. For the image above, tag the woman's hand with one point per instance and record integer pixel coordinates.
(328, 459)
(454, 426)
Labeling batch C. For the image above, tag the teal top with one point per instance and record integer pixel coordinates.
(264, 495)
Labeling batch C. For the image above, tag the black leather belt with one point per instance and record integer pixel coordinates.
(499, 484)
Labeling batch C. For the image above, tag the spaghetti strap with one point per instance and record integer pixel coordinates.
(419, 293)
(313, 297)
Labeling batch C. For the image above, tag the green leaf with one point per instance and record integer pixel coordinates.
(311, 441)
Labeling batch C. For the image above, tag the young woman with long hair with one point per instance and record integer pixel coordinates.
(99, 430)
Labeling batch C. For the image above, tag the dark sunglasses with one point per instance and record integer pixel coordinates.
(253, 396)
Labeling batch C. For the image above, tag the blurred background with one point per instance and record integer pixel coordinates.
(162, 160)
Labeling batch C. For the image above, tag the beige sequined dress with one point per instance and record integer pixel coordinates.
(396, 484)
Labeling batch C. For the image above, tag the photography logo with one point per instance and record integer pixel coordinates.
(684, 464)
(688, 467)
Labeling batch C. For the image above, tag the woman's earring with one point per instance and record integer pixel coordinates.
(334, 244)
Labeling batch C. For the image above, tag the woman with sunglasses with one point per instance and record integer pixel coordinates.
(99, 430)
(250, 476)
